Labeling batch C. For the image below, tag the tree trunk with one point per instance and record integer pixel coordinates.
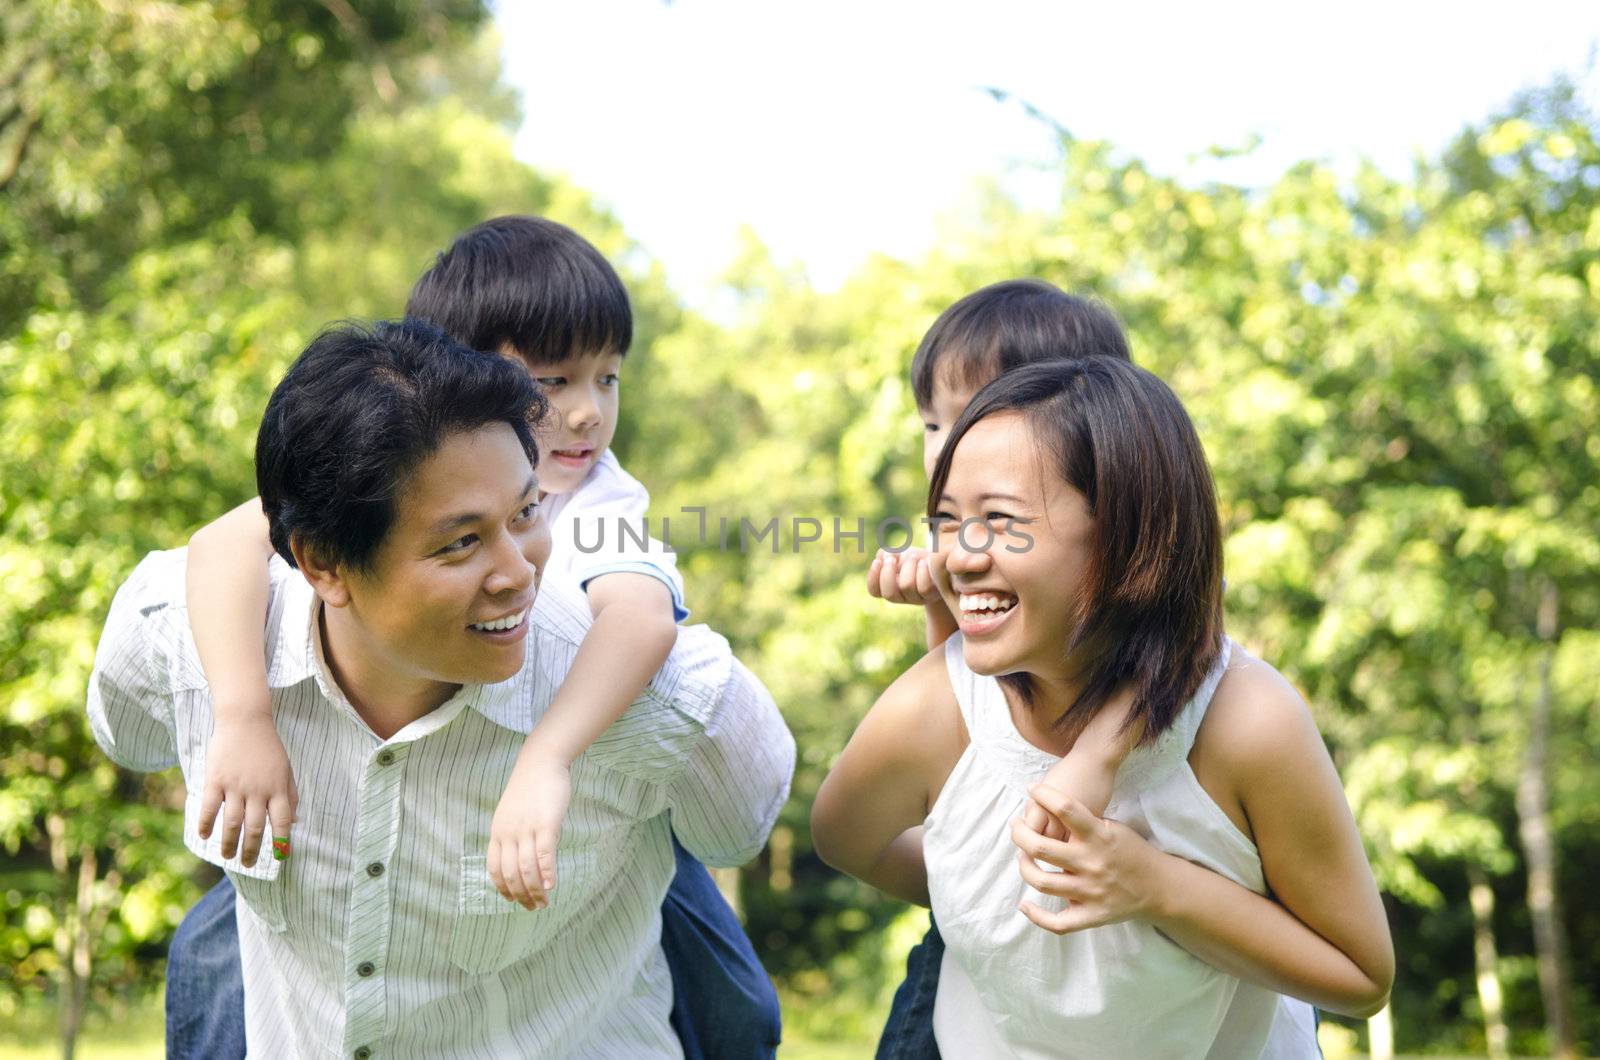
(1538, 847)
(1380, 1035)
(1487, 957)
(69, 1010)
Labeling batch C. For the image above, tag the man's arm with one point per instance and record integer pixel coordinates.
(726, 798)
(130, 698)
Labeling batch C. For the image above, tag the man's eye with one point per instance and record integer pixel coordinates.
(461, 543)
(528, 511)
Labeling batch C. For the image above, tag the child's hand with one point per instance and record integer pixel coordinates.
(526, 828)
(1047, 824)
(248, 777)
(902, 578)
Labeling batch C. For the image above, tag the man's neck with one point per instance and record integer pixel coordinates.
(387, 701)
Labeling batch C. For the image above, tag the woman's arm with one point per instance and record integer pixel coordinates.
(1325, 939)
(867, 815)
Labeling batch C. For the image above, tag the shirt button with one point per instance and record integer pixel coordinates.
(363, 1053)
(365, 968)
(386, 758)
(375, 869)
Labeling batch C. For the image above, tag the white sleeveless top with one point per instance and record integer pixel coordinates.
(1010, 988)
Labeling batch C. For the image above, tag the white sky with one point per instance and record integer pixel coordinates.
(836, 129)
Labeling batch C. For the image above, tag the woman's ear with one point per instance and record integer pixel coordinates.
(327, 580)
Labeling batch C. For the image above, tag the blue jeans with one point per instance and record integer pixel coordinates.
(908, 1033)
(723, 1004)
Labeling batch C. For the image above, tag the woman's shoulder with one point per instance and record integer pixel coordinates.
(1256, 725)
(920, 712)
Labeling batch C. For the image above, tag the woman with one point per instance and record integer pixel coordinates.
(1081, 550)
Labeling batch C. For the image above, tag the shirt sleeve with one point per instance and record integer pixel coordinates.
(736, 777)
(130, 694)
(610, 533)
(708, 742)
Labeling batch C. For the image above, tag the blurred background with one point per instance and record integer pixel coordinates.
(1363, 246)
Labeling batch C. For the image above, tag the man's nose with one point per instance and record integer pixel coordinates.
(512, 572)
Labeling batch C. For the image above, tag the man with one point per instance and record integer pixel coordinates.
(407, 663)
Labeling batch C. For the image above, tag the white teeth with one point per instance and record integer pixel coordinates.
(501, 624)
(987, 602)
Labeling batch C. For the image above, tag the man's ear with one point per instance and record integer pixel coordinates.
(328, 581)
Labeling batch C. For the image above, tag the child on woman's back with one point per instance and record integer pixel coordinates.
(986, 334)
(981, 337)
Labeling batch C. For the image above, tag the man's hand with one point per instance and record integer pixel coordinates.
(903, 577)
(249, 779)
(527, 827)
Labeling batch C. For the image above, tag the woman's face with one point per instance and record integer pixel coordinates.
(1012, 547)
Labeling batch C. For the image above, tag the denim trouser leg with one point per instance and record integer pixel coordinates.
(205, 984)
(908, 1033)
(723, 1003)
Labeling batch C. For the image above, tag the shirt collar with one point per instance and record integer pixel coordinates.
(295, 655)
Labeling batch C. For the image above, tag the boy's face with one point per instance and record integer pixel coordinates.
(582, 390)
(950, 398)
(465, 550)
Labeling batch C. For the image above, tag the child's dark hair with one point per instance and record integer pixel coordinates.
(357, 413)
(1007, 325)
(1149, 610)
(527, 283)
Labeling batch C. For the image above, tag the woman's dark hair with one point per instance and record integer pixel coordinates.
(528, 283)
(356, 414)
(1149, 610)
(1007, 325)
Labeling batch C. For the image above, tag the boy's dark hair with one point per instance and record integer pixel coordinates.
(1149, 611)
(528, 283)
(355, 415)
(1007, 325)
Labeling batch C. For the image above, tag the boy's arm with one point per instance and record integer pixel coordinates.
(632, 635)
(247, 770)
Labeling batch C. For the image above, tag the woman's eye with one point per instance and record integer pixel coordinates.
(460, 543)
(995, 516)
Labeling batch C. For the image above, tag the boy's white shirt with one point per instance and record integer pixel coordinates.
(601, 528)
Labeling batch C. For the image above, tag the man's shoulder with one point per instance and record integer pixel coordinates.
(690, 680)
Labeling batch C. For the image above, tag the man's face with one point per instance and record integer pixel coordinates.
(448, 595)
(582, 390)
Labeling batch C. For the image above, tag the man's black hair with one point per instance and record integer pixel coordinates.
(357, 413)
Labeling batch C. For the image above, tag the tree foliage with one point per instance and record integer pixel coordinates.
(1396, 380)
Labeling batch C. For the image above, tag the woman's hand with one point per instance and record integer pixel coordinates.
(1107, 872)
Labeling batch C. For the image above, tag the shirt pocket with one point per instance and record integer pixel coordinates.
(491, 933)
(264, 899)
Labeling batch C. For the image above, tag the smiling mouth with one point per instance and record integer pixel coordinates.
(501, 625)
(987, 605)
(572, 454)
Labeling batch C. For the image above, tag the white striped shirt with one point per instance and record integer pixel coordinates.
(382, 935)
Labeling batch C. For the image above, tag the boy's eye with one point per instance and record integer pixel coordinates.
(550, 381)
(609, 379)
(931, 428)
